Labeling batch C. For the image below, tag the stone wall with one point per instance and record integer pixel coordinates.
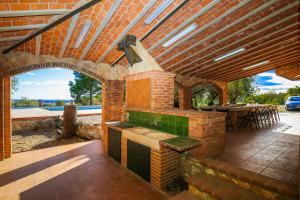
(30, 124)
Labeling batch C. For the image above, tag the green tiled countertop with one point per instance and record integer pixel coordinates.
(180, 143)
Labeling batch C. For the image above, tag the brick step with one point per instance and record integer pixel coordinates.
(264, 186)
(185, 195)
(211, 187)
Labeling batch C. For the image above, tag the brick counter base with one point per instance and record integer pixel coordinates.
(165, 164)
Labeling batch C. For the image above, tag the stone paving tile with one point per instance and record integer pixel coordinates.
(273, 152)
(76, 171)
(278, 174)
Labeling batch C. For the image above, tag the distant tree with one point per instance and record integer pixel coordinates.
(176, 96)
(293, 91)
(15, 84)
(25, 102)
(267, 98)
(84, 88)
(204, 95)
(239, 90)
(59, 103)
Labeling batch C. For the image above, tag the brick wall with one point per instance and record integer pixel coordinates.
(185, 98)
(1, 119)
(210, 130)
(208, 127)
(112, 105)
(166, 165)
(162, 88)
(5, 117)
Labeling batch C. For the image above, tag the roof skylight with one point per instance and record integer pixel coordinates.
(180, 35)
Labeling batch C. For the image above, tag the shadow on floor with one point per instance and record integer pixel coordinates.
(77, 171)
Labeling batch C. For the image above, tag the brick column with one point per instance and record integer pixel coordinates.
(1, 118)
(5, 117)
(223, 96)
(112, 104)
(185, 98)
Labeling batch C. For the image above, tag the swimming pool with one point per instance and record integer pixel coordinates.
(61, 108)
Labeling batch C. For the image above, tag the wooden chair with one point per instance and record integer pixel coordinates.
(229, 123)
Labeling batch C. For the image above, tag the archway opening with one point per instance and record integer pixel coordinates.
(38, 99)
(205, 95)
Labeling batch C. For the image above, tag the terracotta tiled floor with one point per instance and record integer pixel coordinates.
(76, 171)
(273, 152)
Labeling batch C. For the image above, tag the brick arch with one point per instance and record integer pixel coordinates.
(21, 62)
(187, 83)
(48, 65)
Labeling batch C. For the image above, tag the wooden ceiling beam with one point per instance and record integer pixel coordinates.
(238, 63)
(205, 40)
(252, 61)
(274, 62)
(232, 69)
(261, 70)
(258, 70)
(246, 54)
(268, 31)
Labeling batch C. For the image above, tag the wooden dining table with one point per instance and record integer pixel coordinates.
(238, 111)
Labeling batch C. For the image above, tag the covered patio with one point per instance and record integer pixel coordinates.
(140, 50)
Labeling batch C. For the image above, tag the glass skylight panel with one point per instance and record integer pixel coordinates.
(85, 29)
(229, 54)
(256, 65)
(158, 11)
(180, 35)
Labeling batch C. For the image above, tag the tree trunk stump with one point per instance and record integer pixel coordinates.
(70, 118)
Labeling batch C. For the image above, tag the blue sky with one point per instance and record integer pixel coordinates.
(269, 81)
(45, 84)
(53, 84)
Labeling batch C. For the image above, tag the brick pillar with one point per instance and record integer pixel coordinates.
(5, 117)
(223, 96)
(185, 98)
(112, 104)
(1, 118)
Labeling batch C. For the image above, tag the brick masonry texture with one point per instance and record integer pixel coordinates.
(208, 127)
(1, 119)
(185, 98)
(253, 37)
(162, 88)
(185, 84)
(27, 62)
(5, 117)
(112, 105)
(166, 164)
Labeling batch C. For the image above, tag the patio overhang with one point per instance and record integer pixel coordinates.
(290, 71)
(187, 38)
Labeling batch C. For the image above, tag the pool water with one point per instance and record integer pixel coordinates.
(61, 108)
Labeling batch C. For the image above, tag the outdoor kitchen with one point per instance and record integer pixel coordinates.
(154, 136)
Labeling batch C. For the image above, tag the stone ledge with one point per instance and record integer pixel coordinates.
(252, 177)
